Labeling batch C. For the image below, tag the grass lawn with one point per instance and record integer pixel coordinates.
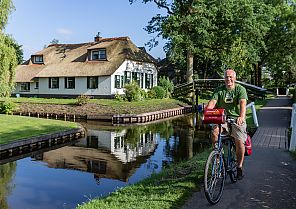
(18, 127)
(107, 102)
(97, 106)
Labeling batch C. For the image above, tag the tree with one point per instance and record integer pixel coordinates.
(7, 65)
(279, 56)
(18, 49)
(6, 7)
(218, 34)
(8, 56)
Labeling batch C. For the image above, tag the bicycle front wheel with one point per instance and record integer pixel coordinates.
(232, 163)
(214, 177)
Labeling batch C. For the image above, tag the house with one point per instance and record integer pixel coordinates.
(99, 69)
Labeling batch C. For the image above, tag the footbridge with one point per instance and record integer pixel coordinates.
(200, 85)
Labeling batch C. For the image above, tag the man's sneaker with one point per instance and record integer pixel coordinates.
(240, 175)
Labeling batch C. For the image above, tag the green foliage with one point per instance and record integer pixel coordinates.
(18, 49)
(238, 34)
(82, 100)
(167, 85)
(6, 7)
(280, 54)
(157, 92)
(8, 62)
(119, 97)
(8, 51)
(7, 106)
(133, 92)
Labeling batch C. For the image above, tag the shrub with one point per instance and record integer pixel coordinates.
(167, 85)
(119, 97)
(7, 107)
(133, 92)
(157, 92)
(82, 100)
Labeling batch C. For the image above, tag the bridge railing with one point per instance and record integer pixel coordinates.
(254, 113)
(183, 89)
(199, 85)
(293, 129)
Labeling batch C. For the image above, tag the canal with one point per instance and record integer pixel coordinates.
(108, 158)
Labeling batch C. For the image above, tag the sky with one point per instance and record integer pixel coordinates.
(35, 23)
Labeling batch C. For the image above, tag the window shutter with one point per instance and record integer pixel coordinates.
(88, 82)
(49, 83)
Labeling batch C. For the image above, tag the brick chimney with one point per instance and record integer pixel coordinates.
(98, 37)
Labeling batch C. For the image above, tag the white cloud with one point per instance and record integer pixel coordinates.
(64, 31)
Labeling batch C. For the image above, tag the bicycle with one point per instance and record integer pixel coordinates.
(217, 166)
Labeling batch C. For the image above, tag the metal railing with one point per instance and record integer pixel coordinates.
(211, 84)
(293, 127)
(254, 114)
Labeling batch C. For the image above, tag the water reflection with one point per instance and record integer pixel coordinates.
(106, 153)
(7, 172)
(109, 157)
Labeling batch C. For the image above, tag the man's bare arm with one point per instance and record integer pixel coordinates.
(211, 104)
(242, 109)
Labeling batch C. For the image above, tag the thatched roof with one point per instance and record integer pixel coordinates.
(67, 60)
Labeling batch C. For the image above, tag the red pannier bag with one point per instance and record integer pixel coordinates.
(248, 146)
(214, 116)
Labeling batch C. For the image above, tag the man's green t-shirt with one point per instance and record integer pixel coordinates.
(229, 99)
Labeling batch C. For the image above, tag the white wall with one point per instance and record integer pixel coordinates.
(104, 87)
(105, 83)
(133, 66)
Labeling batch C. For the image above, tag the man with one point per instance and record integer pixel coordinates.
(233, 98)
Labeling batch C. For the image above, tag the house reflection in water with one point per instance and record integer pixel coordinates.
(106, 153)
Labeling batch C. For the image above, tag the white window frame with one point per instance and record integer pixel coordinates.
(117, 82)
(68, 80)
(38, 59)
(98, 54)
(25, 86)
(92, 82)
(54, 83)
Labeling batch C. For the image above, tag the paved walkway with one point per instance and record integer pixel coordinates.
(270, 173)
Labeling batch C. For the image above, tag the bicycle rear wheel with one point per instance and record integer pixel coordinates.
(232, 163)
(214, 177)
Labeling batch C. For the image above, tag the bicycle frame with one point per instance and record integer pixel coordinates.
(219, 167)
(228, 139)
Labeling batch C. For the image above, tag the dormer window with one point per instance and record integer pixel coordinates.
(98, 54)
(38, 59)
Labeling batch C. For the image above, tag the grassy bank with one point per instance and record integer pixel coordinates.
(168, 189)
(17, 127)
(93, 106)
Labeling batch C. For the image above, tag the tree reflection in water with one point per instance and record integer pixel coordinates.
(7, 172)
